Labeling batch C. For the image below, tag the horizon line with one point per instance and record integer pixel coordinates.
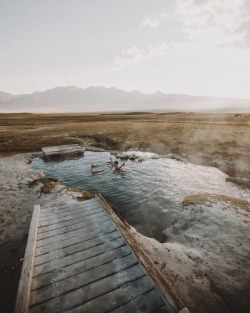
(134, 90)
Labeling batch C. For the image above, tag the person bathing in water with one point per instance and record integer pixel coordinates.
(96, 169)
(116, 165)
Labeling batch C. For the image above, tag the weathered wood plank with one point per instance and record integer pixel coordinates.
(79, 267)
(70, 215)
(63, 149)
(116, 298)
(77, 257)
(70, 209)
(72, 241)
(58, 220)
(69, 228)
(91, 217)
(71, 234)
(23, 294)
(82, 279)
(69, 250)
(57, 205)
(145, 303)
(82, 295)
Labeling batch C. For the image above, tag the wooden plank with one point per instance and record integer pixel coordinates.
(71, 214)
(146, 303)
(57, 205)
(69, 242)
(91, 217)
(67, 217)
(23, 294)
(83, 225)
(79, 267)
(117, 298)
(57, 150)
(82, 279)
(58, 263)
(72, 234)
(82, 295)
(70, 209)
(172, 300)
(66, 251)
(58, 220)
(69, 228)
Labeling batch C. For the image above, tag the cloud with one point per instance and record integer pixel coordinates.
(243, 27)
(208, 26)
(216, 23)
(154, 23)
(149, 22)
(135, 55)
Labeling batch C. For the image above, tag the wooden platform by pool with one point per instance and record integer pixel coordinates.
(82, 258)
(63, 150)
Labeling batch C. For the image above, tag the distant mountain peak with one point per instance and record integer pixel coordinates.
(158, 93)
(99, 98)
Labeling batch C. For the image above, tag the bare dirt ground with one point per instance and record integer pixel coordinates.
(220, 140)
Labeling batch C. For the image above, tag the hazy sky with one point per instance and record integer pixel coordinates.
(176, 46)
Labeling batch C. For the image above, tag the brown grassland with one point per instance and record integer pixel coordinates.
(221, 140)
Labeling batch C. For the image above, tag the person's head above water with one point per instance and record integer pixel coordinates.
(116, 162)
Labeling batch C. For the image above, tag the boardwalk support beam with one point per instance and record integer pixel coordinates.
(23, 294)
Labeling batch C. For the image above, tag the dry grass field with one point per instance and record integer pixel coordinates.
(221, 140)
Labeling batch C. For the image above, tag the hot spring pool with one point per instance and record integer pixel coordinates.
(148, 194)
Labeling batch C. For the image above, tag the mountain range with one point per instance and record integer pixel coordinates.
(101, 99)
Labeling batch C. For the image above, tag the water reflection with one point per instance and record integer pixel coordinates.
(149, 195)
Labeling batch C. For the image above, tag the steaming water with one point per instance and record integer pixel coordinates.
(148, 194)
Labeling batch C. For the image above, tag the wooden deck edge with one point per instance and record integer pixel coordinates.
(23, 293)
(63, 150)
(169, 295)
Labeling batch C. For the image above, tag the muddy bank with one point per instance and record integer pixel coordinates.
(206, 254)
(16, 204)
(20, 190)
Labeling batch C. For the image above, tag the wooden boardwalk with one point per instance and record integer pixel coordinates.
(77, 261)
(64, 150)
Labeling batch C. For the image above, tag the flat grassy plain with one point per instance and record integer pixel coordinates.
(221, 140)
